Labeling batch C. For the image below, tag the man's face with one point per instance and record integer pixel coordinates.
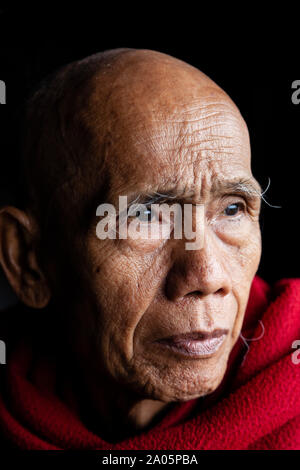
(134, 292)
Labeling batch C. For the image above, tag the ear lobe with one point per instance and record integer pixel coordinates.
(19, 238)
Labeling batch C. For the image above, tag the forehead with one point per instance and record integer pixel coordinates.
(181, 143)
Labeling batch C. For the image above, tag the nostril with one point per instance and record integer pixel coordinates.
(199, 293)
(195, 293)
(221, 291)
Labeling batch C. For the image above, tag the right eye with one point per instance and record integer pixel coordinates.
(143, 213)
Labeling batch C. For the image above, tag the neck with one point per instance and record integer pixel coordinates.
(110, 410)
(116, 413)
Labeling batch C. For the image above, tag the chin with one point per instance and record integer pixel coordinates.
(177, 380)
(183, 390)
(202, 390)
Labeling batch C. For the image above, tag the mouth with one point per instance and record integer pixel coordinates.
(199, 344)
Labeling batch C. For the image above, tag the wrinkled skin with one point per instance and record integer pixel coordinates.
(166, 126)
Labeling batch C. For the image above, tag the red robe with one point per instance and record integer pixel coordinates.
(260, 409)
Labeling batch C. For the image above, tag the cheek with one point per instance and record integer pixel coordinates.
(122, 290)
(240, 241)
(249, 253)
(245, 265)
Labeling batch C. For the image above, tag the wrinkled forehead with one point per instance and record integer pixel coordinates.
(175, 142)
(151, 126)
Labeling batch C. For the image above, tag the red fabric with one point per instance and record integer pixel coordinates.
(260, 411)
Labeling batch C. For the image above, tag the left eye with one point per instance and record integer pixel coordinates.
(144, 215)
(233, 209)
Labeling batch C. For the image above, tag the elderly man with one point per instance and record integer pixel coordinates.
(138, 342)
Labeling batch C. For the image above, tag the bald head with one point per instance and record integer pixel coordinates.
(83, 117)
(139, 124)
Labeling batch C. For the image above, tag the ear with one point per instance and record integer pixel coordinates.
(19, 236)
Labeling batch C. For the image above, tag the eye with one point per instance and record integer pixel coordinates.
(233, 209)
(143, 213)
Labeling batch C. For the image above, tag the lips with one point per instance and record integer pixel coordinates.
(199, 343)
(197, 335)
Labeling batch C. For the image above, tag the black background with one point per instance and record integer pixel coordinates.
(256, 71)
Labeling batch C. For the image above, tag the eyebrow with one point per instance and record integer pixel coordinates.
(248, 188)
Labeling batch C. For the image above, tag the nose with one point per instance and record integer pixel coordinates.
(199, 272)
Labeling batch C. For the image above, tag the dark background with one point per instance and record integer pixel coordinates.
(257, 74)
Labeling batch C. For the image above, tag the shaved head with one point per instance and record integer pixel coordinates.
(113, 98)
